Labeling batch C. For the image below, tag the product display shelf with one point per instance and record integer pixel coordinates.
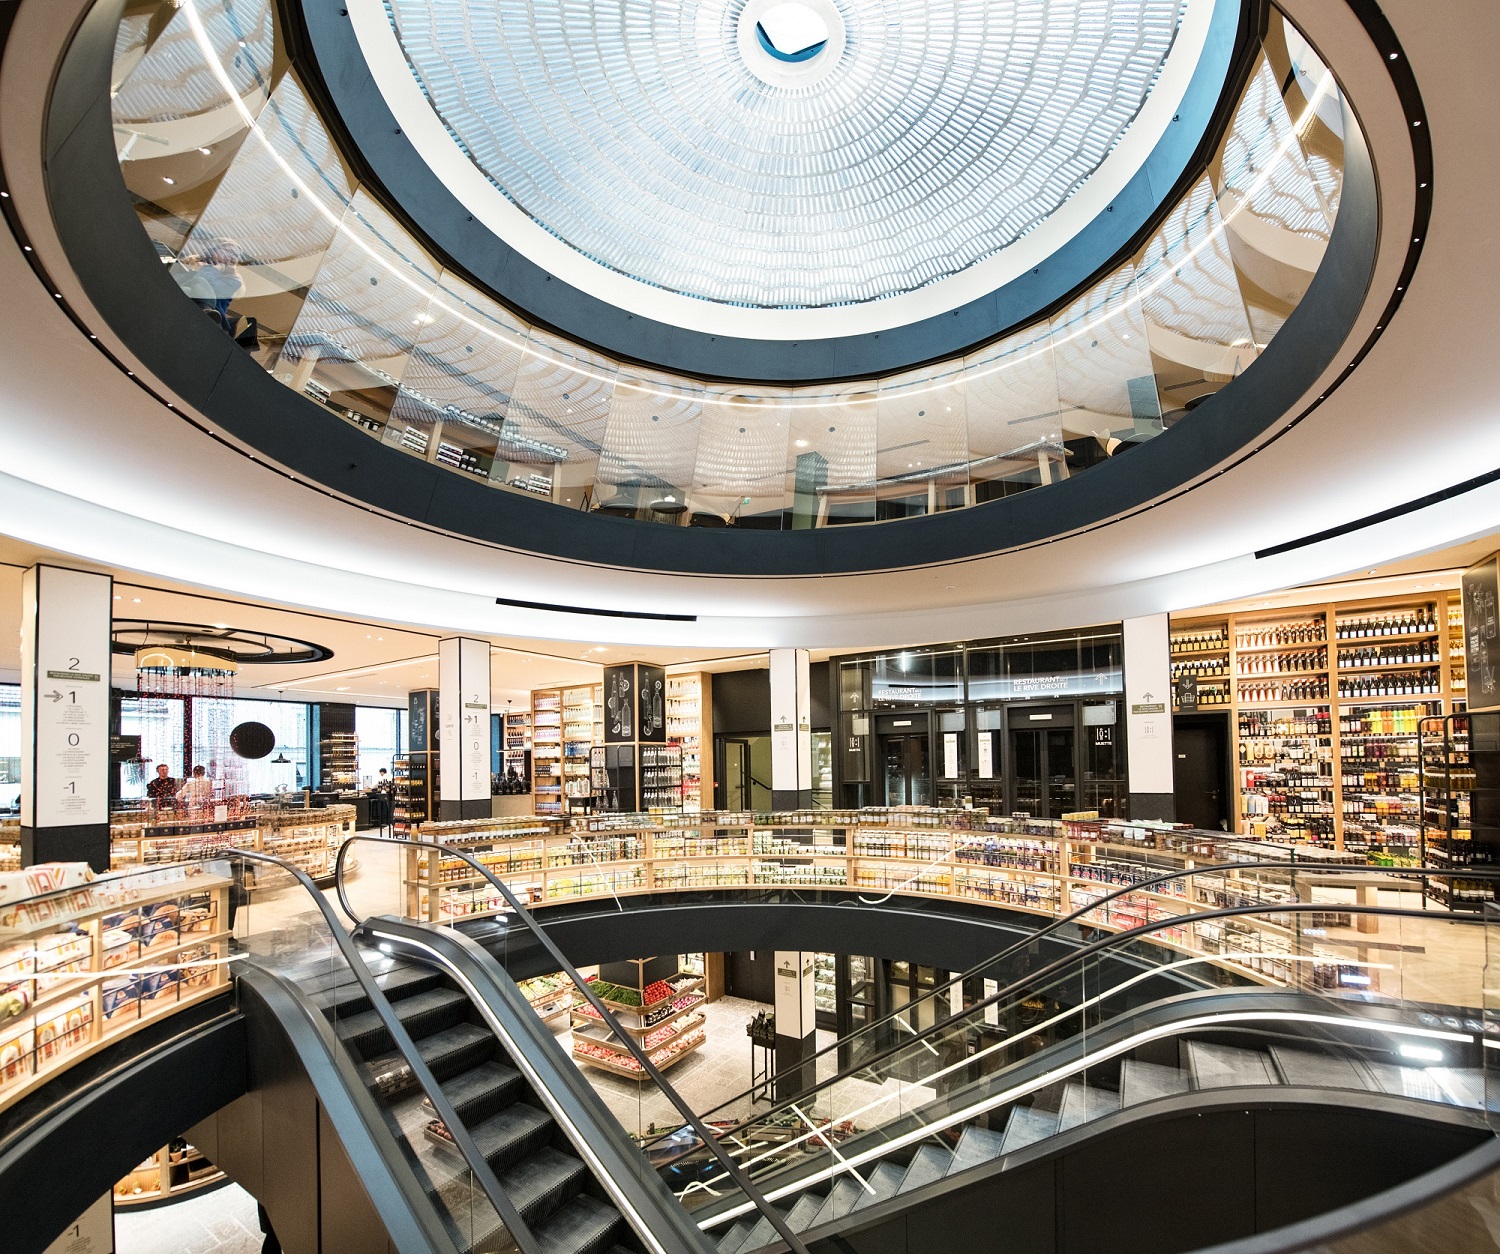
(690, 726)
(339, 752)
(308, 839)
(655, 1002)
(441, 888)
(1447, 785)
(82, 969)
(825, 984)
(174, 1171)
(517, 749)
(660, 777)
(10, 844)
(547, 781)
(1335, 657)
(578, 711)
(414, 791)
(553, 997)
(1380, 768)
(1285, 774)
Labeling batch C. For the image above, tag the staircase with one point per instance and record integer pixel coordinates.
(1066, 1106)
(538, 1169)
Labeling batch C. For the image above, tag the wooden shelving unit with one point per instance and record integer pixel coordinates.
(1324, 703)
(547, 751)
(668, 1028)
(690, 725)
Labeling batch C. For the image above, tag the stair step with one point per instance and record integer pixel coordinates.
(542, 1181)
(510, 1134)
(1225, 1066)
(839, 1202)
(801, 1216)
(1146, 1081)
(1026, 1127)
(928, 1164)
(976, 1146)
(1082, 1103)
(732, 1240)
(1322, 1071)
(582, 1225)
(885, 1180)
(479, 1092)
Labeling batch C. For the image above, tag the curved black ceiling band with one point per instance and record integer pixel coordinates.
(120, 271)
(335, 72)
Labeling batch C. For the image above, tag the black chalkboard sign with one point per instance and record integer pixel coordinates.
(651, 704)
(1481, 586)
(619, 704)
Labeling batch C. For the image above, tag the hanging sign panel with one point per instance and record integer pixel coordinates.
(986, 755)
(65, 659)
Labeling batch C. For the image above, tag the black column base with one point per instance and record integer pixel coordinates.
(83, 842)
(1158, 806)
(448, 811)
(795, 1074)
(791, 799)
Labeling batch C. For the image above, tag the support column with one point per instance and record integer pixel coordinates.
(1148, 717)
(65, 625)
(796, 1024)
(791, 730)
(464, 745)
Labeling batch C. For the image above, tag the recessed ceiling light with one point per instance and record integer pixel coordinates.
(205, 151)
(135, 600)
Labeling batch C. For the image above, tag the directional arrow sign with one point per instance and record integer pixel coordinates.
(53, 696)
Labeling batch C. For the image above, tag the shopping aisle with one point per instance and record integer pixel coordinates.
(220, 1222)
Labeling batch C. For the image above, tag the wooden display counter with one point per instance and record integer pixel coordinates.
(308, 839)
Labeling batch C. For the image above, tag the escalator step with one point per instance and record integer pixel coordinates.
(1225, 1066)
(582, 1225)
(479, 1092)
(446, 1053)
(507, 1136)
(885, 1180)
(1146, 1081)
(1083, 1103)
(421, 1014)
(801, 1216)
(929, 1163)
(762, 1234)
(976, 1147)
(542, 1181)
(469, 1217)
(731, 1241)
(1026, 1127)
(840, 1201)
(1322, 1071)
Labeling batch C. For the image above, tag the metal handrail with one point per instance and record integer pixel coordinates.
(1052, 927)
(1027, 983)
(475, 1159)
(776, 1219)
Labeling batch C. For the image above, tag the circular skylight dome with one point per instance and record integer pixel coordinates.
(791, 154)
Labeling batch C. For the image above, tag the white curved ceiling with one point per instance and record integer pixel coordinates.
(650, 154)
(94, 466)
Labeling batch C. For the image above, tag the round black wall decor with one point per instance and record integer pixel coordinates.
(252, 740)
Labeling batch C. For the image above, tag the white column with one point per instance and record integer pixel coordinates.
(796, 1022)
(65, 626)
(464, 742)
(1148, 717)
(791, 730)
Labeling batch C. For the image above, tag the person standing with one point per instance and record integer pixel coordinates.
(162, 791)
(197, 791)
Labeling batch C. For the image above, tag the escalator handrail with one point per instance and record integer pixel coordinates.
(1028, 981)
(1055, 925)
(771, 1214)
(404, 1044)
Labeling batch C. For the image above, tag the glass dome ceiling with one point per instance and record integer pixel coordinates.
(677, 145)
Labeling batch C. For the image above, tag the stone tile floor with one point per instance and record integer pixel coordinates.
(220, 1222)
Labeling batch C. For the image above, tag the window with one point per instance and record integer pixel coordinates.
(380, 741)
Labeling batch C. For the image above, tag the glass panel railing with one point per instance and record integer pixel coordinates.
(1338, 1010)
(629, 1034)
(241, 186)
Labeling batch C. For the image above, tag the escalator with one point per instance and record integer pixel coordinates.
(1139, 1034)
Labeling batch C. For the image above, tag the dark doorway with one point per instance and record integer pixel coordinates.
(904, 768)
(1200, 747)
(1043, 761)
(751, 974)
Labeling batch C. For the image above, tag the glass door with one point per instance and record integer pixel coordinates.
(1044, 771)
(904, 767)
